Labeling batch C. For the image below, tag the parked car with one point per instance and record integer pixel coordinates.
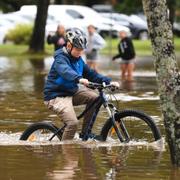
(103, 8)
(137, 26)
(14, 18)
(9, 21)
(80, 16)
(31, 15)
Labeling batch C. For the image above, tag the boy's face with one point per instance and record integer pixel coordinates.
(75, 52)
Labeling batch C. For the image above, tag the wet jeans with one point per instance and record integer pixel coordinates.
(63, 107)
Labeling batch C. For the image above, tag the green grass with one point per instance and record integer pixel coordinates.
(12, 50)
(142, 48)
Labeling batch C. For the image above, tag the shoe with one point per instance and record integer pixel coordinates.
(91, 136)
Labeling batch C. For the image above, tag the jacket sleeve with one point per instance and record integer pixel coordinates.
(52, 39)
(93, 76)
(116, 56)
(119, 53)
(63, 68)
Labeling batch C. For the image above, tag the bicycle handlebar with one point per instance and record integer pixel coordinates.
(102, 86)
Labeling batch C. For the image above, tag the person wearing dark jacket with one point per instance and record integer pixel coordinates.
(58, 39)
(62, 90)
(127, 55)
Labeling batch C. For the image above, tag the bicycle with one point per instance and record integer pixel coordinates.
(121, 124)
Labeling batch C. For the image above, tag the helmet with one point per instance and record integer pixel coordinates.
(77, 38)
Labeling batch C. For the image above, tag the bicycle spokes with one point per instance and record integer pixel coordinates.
(119, 130)
(32, 137)
(41, 136)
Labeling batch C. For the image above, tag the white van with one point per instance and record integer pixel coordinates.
(79, 16)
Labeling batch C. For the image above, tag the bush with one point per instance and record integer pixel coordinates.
(20, 34)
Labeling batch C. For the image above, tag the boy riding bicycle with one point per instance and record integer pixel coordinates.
(62, 90)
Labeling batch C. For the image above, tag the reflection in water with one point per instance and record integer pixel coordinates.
(127, 85)
(38, 74)
(70, 161)
(75, 162)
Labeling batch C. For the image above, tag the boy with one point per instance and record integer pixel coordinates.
(61, 90)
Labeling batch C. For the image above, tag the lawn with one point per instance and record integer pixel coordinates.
(142, 48)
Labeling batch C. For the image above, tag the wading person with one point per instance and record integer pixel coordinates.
(58, 39)
(127, 54)
(62, 90)
(95, 43)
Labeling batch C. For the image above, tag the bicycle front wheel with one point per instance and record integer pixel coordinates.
(133, 125)
(41, 132)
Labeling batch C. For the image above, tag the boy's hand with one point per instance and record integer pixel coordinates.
(84, 81)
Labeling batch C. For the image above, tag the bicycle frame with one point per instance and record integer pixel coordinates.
(111, 110)
(101, 100)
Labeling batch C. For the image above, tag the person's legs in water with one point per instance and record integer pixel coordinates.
(130, 69)
(64, 109)
(92, 60)
(85, 96)
(127, 68)
(123, 68)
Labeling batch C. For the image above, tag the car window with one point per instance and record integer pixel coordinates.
(74, 14)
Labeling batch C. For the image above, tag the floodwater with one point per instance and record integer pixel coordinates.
(21, 104)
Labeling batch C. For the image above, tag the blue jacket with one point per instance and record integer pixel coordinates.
(65, 73)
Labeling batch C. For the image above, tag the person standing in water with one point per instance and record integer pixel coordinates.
(127, 54)
(58, 39)
(94, 44)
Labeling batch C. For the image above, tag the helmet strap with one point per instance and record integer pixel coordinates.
(69, 51)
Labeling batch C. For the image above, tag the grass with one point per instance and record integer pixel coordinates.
(12, 50)
(143, 48)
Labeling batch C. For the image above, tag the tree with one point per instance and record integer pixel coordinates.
(37, 40)
(168, 79)
(14, 5)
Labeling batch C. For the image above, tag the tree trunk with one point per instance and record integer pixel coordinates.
(37, 40)
(160, 31)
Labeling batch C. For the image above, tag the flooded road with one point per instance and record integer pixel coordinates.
(21, 104)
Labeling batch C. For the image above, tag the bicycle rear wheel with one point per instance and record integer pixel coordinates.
(40, 132)
(133, 125)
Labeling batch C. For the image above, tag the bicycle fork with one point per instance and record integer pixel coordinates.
(121, 124)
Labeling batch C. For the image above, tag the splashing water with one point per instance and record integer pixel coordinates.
(12, 139)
